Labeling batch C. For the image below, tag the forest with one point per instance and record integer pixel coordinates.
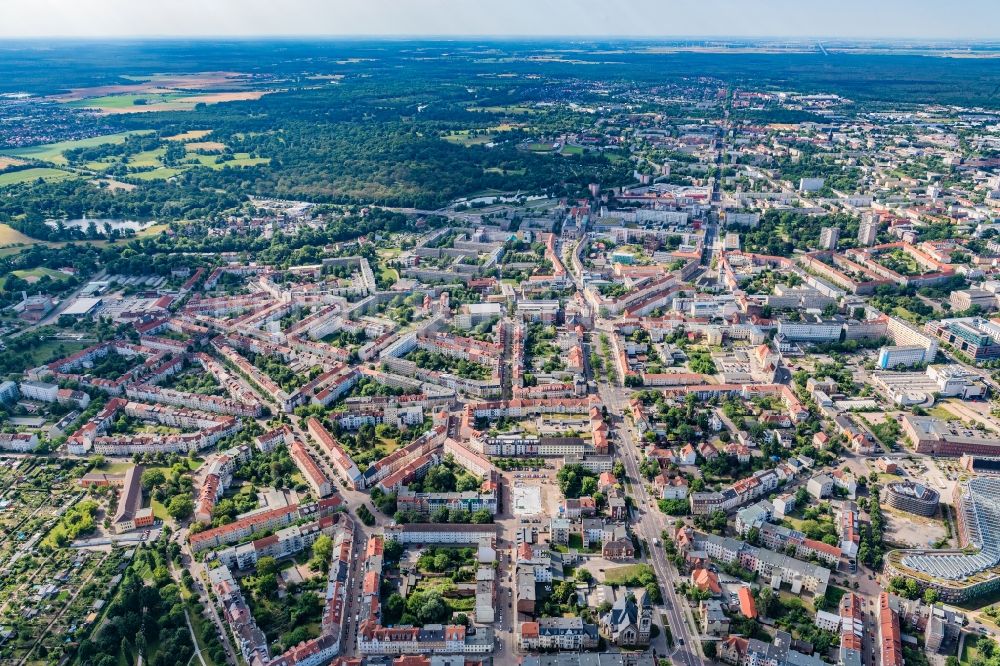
(376, 134)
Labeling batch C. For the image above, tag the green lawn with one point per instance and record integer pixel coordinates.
(39, 272)
(148, 158)
(53, 152)
(53, 349)
(239, 160)
(538, 147)
(617, 575)
(157, 174)
(969, 650)
(160, 511)
(31, 175)
(572, 150)
(389, 273)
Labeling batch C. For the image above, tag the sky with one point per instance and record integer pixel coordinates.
(954, 19)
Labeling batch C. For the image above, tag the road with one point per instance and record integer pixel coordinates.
(200, 575)
(649, 526)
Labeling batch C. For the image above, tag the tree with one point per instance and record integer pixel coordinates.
(930, 596)
(482, 516)
(180, 507)
(393, 608)
(152, 477)
(322, 548)
(267, 565)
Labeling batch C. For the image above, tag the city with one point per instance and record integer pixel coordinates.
(394, 354)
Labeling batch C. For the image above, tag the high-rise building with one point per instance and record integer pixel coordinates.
(828, 238)
(868, 230)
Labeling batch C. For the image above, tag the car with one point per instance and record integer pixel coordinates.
(681, 641)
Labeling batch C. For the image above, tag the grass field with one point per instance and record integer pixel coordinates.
(50, 350)
(539, 147)
(31, 175)
(205, 145)
(11, 236)
(617, 575)
(572, 150)
(389, 273)
(157, 174)
(34, 274)
(148, 158)
(190, 135)
(6, 162)
(463, 138)
(53, 152)
(125, 101)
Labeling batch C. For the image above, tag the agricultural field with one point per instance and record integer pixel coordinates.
(31, 175)
(7, 162)
(190, 135)
(10, 236)
(53, 152)
(140, 102)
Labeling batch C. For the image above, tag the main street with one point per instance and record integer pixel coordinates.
(649, 527)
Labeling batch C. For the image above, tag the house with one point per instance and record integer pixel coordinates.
(617, 508)
(714, 622)
(739, 451)
(629, 621)
(783, 505)
(820, 486)
(821, 440)
(827, 621)
(707, 580)
(687, 456)
(606, 482)
(732, 650)
(583, 507)
(617, 544)
(707, 451)
(670, 487)
(753, 516)
(748, 607)
(558, 633)
(560, 529)
(591, 531)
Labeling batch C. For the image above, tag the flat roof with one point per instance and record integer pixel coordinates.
(82, 306)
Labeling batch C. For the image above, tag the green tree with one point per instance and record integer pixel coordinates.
(180, 507)
(267, 565)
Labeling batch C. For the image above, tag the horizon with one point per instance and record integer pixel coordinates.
(566, 37)
(966, 20)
